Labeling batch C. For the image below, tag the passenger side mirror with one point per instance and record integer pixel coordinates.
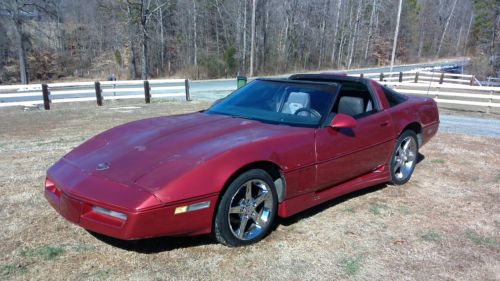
(341, 121)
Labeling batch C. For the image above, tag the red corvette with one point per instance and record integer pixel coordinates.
(272, 148)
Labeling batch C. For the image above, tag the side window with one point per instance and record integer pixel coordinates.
(394, 98)
(355, 100)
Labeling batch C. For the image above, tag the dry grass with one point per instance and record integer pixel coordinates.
(443, 225)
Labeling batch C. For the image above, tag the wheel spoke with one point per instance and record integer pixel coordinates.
(399, 152)
(397, 166)
(258, 219)
(406, 146)
(411, 156)
(248, 190)
(243, 225)
(261, 198)
(235, 210)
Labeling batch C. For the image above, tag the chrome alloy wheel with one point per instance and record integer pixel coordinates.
(250, 209)
(404, 158)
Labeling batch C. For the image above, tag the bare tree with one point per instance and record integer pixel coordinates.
(252, 48)
(19, 12)
(396, 33)
(446, 27)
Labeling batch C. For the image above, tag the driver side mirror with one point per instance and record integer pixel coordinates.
(341, 121)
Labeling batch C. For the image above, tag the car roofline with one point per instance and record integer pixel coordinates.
(325, 77)
(287, 80)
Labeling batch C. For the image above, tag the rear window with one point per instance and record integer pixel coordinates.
(394, 98)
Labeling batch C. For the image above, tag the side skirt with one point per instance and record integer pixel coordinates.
(292, 206)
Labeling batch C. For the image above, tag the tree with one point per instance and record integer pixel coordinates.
(252, 48)
(19, 12)
(396, 32)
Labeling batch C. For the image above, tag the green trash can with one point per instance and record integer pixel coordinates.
(241, 81)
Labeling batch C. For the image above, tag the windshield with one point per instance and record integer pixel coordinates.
(281, 102)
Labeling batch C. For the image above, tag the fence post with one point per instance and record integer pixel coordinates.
(491, 101)
(416, 77)
(46, 94)
(98, 93)
(381, 77)
(441, 78)
(472, 80)
(400, 77)
(147, 92)
(186, 86)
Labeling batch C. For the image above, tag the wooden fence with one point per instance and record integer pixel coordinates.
(446, 88)
(98, 91)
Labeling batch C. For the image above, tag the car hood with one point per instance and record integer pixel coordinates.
(127, 152)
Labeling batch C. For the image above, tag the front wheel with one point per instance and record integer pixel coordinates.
(404, 157)
(246, 210)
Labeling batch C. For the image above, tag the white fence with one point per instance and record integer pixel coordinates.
(448, 88)
(27, 95)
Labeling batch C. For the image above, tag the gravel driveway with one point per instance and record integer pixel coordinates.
(469, 126)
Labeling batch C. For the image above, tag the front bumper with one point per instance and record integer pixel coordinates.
(73, 194)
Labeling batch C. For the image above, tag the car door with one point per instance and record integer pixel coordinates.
(344, 154)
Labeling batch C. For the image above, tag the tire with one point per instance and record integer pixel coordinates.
(246, 210)
(404, 157)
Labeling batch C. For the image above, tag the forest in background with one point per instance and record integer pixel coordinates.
(139, 39)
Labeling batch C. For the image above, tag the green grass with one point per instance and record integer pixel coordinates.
(84, 248)
(376, 209)
(431, 235)
(352, 265)
(480, 240)
(350, 210)
(437, 161)
(496, 179)
(99, 274)
(44, 252)
(404, 210)
(12, 269)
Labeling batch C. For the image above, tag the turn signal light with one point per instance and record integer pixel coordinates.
(110, 213)
(51, 187)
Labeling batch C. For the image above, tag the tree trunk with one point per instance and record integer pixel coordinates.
(252, 48)
(396, 33)
(335, 33)
(21, 51)
(466, 40)
(162, 41)
(245, 37)
(133, 61)
(445, 28)
(195, 35)
(370, 29)
(264, 37)
(351, 52)
(322, 33)
(457, 47)
(144, 55)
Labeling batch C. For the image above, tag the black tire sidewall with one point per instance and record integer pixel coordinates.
(222, 230)
(407, 133)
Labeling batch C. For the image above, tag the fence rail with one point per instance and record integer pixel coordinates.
(98, 91)
(447, 88)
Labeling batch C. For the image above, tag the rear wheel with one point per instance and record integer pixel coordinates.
(246, 210)
(404, 157)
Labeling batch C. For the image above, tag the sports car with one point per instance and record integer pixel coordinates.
(274, 147)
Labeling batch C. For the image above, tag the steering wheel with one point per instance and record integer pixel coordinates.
(311, 112)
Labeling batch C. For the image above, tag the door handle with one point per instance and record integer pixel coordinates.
(384, 124)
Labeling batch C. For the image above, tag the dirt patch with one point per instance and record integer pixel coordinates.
(443, 224)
